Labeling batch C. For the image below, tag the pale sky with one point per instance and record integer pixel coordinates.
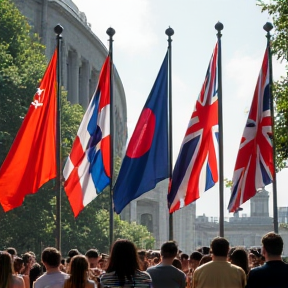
(140, 44)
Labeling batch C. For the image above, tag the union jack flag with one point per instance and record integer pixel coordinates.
(254, 165)
(196, 169)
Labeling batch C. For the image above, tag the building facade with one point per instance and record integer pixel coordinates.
(82, 57)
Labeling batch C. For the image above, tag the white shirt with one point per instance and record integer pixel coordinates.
(51, 280)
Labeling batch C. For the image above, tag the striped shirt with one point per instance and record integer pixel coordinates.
(140, 279)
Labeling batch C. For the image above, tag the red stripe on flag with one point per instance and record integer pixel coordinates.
(74, 192)
(77, 153)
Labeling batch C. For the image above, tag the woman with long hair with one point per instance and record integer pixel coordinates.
(124, 267)
(7, 279)
(79, 267)
(239, 257)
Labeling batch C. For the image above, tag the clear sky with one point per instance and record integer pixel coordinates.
(140, 45)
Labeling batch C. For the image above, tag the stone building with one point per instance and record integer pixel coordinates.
(83, 55)
(151, 210)
(241, 231)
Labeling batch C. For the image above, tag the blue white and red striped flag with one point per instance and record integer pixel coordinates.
(146, 160)
(196, 168)
(254, 165)
(87, 170)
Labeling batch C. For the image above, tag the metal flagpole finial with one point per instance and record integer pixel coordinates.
(169, 32)
(58, 29)
(219, 27)
(110, 31)
(268, 27)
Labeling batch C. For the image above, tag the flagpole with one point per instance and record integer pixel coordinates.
(268, 27)
(169, 32)
(58, 29)
(219, 27)
(110, 32)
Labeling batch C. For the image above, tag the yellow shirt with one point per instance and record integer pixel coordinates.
(219, 274)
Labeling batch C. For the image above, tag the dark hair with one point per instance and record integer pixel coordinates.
(204, 250)
(177, 263)
(196, 256)
(205, 259)
(34, 273)
(231, 250)
(51, 256)
(73, 252)
(92, 253)
(17, 263)
(239, 257)
(6, 269)
(12, 251)
(220, 246)
(124, 260)
(169, 249)
(78, 268)
(184, 256)
(273, 244)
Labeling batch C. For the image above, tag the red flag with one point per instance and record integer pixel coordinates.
(31, 161)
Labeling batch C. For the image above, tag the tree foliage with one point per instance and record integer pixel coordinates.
(278, 9)
(32, 226)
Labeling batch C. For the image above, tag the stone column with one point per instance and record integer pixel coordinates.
(133, 211)
(73, 77)
(93, 82)
(84, 84)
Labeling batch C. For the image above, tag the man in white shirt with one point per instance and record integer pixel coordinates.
(53, 278)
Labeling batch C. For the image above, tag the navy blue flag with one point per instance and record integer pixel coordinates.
(146, 160)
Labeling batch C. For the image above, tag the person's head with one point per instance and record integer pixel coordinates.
(78, 270)
(219, 247)
(239, 257)
(177, 263)
(205, 259)
(169, 250)
(18, 264)
(51, 257)
(272, 245)
(93, 257)
(124, 259)
(194, 259)
(27, 261)
(142, 255)
(33, 256)
(73, 252)
(204, 250)
(35, 272)
(12, 251)
(6, 269)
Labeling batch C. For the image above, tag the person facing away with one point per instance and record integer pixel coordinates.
(79, 274)
(53, 277)
(274, 272)
(239, 257)
(7, 279)
(219, 273)
(165, 275)
(124, 267)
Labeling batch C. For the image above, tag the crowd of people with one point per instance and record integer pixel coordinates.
(216, 266)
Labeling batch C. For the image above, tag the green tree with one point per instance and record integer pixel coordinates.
(32, 226)
(278, 9)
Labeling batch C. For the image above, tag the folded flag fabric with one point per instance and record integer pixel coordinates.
(254, 167)
(196, 168)
(31, 161)
(146, 160)
(87, 169)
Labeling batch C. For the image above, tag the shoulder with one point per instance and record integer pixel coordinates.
(17, 281)
(142, 275)
(90, 284)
